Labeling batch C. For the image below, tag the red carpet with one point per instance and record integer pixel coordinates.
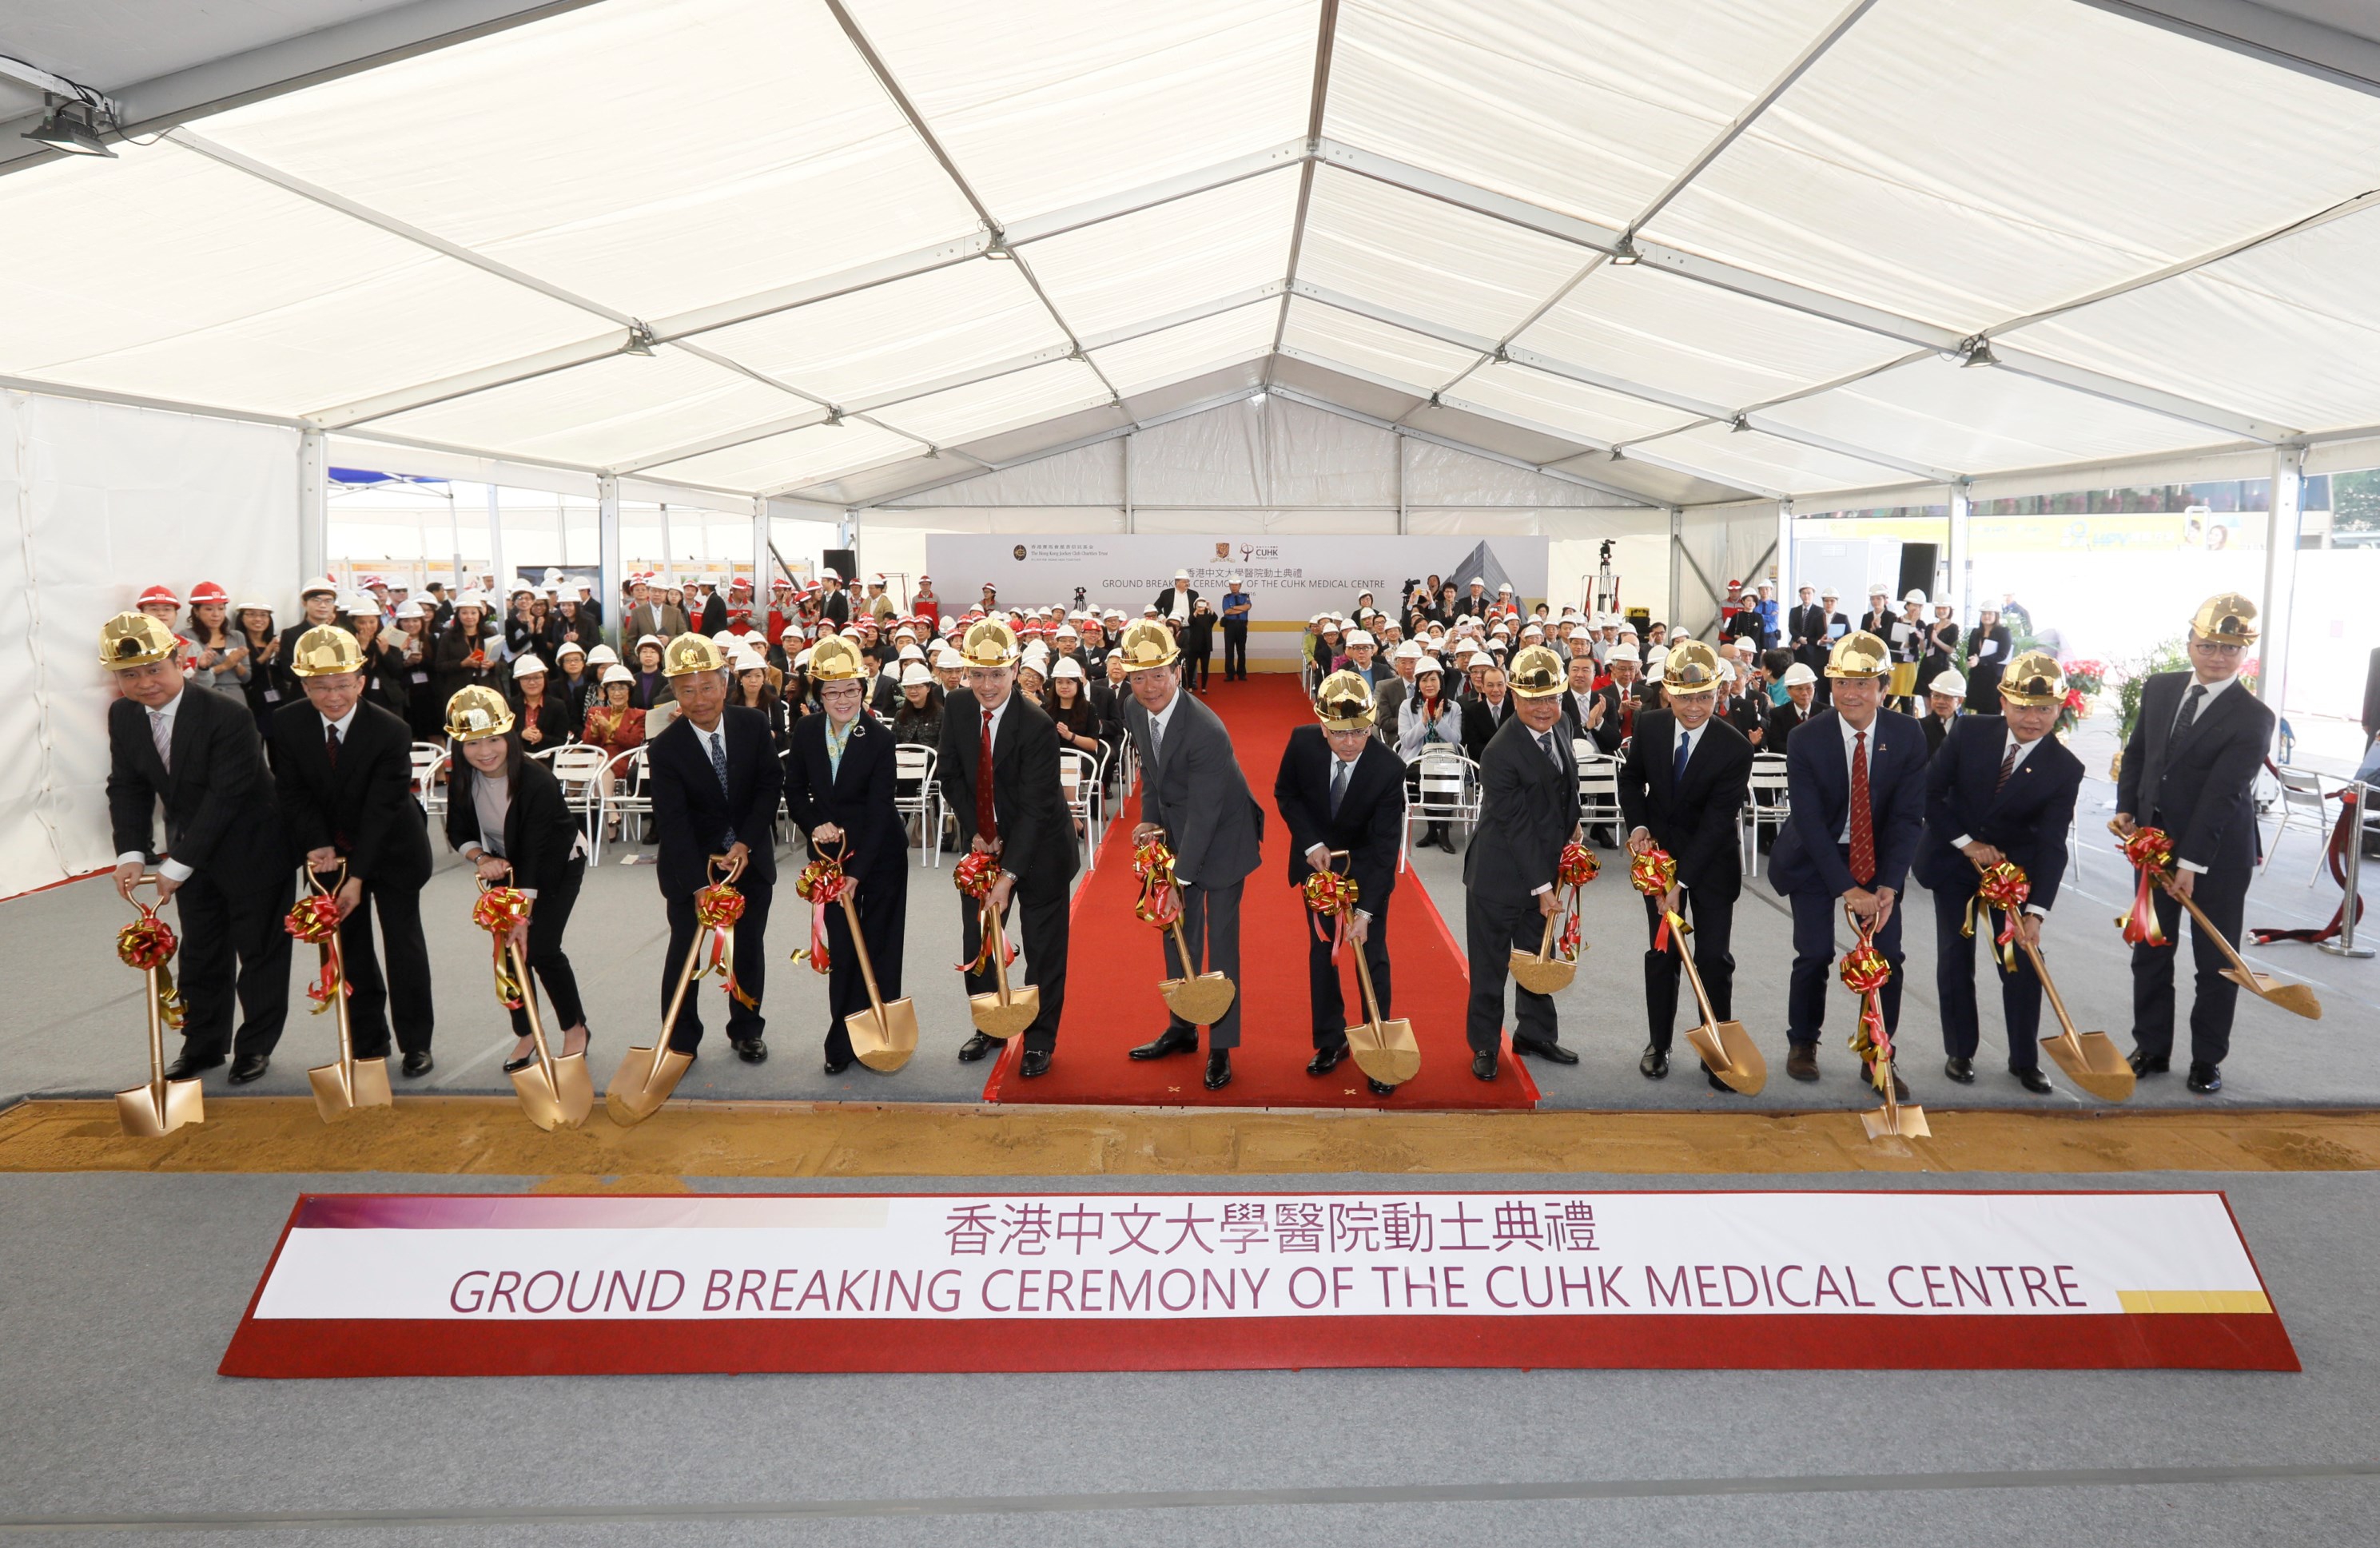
(1112, 999)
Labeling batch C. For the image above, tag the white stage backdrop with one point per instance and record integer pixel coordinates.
(1289, 579)
(103, 501)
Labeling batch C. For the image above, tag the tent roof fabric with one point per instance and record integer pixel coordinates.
(1684, 251)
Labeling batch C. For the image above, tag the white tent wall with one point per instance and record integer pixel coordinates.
(102, 501)
(1719, 543)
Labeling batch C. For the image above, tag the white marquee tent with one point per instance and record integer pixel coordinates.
(1676, 263)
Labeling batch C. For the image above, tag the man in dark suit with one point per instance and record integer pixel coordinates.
(1485, 714)
(1989, 645)
(1342, 790)
(1855, 777)
(840, 785)
(1175, 601)
(1010, 803)
(648, 614)
(1999, 788)
(715, 780)
(1528, 811)
(1800, 685)
(1805, 625)
(1814, 654)
(1192, 792)
(712, 619)
(1681, 789)
(344, 769)
(227, 858)
(1596, 714)
(1944, 696)
(2189, 769)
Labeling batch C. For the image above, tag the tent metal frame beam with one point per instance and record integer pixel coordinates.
(1550, 470)
(1326, 43)
(2294, 43)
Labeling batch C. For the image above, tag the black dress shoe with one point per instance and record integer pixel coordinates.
(1035, 1062)
(1655, 1065)
(1218, 1068)
(2205, 1079)
(1960, 1069)
(1539, 1048)
(1801, 1061)
(837, 1063)
(1716, 1083)
(418, 1064)
(2148, 1064)
(976, 1046)
(1483, 1064)
(250, 1067)
(2033, 1081)
(188, 1066)
(752, 1050)
(1326, 1059)
(1380, 1088)
(1169, 1042)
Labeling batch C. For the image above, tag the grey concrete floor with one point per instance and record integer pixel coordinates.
(121, 1291)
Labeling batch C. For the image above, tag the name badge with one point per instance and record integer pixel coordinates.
(271, 695)
(421, 677)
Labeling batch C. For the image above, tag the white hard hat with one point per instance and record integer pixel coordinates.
(1069, 667)
(1354, 637)
(914, 673)
(1409, 651)
(1428, 663)
(597, 657)
(1623, 653)
(1949, 683)
(527, 666)
(1797, 675)
(1915, 596)
(617, 673)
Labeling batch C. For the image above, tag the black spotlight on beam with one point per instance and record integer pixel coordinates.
(70, 127)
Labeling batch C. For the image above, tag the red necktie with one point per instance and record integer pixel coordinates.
(986, 818)
(331, 744)
(1863, 821)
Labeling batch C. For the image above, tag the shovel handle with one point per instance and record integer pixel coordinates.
(314, 880)
(536, 1022)
(999, 947)
(1693, 975)
(1545, 947)
(2216, 936)
(2057, 1001)
(678, 996)
(860, 950)
(1371, 998)
(735, 868)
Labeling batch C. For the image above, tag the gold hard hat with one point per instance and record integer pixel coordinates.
(477, 713)
(2229, 619)
(326, 650)
(1858, 654)
(990, 643)
(1344, 702)
(1538, 672)
(2035, 680)
(836, 660)
(688, 653)
(1691, 667)
(1148, 643)
(133, 639)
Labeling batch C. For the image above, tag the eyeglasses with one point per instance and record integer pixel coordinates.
(2216, 647)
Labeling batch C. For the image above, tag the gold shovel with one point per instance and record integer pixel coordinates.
(2294, 998)
(553, 1090)
(1726, 1046)
(1540, 972)
(646, 1076)
(1386, 1051)
(1006, 1012)
(884, 1035)
(2090, 1059)
(1202, 1001)
(158, 1105)
(352, 1083)
(1906, 1123)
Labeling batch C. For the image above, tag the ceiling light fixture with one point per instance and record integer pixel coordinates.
(833, 416)
(72, 127)
(1624, 252)
(1740, 424)
(1256, 398)
(1976, 351)
(641, 339)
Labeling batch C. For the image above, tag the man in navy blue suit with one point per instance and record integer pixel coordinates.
(1855, 775)
(2000, 788)
(715, 783)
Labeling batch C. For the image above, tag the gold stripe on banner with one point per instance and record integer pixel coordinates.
(487, 1135)
(2201, 1302)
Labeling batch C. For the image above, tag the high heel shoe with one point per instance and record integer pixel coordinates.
(515, 1066)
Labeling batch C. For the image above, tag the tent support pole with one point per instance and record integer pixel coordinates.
(314, 504)
(1400, 436)
(608, 564)
(1960, 589)
(760, 576)
(502, 602)
(2280, 572)
(1786, 597)
(1677, 563)
(1128, 517)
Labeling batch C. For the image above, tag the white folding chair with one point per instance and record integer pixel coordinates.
(917, 793)
(1078, 776)
(1764, 802)
(428, 764)
(1448, 792)
(1598, 789)
(622, 793)
(579, 769)
(2300, 798)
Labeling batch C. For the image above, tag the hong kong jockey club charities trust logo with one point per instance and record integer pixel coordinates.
(1018, 552)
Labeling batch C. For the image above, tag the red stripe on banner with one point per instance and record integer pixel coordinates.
(2201, 1341)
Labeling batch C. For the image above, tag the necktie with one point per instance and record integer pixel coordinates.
(986, 818)
(718, 740)
(2190, 702)
(1156, 742)
(1863, 820)
(331, 744)
(163, 738)
(1338, 784)
(1546, 739)
(1678, 764)
(2008, 766)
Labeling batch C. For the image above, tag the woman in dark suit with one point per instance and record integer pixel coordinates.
(547, 718)
(459, 658)
(384, 673)
(505, 814)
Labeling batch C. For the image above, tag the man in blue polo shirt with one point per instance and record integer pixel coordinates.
(1235, 632)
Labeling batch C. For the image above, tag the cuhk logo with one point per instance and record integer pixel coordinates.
(1018, 552)
(1222, 550)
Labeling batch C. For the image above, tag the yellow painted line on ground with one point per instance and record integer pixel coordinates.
(487, 1135)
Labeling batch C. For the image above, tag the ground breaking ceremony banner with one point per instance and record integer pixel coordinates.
(473, 1285)
(1288, 579)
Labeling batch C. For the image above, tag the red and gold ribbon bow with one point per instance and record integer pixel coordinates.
(148, 944)
(1577, 866)
(821, 884)
(1159, 903)
(1653, 873)
(716, 909)
(2150, 852)
(498, 910)
(1864, 971)
(2004, 887)
(975, 876)
(1331, 895)
(315, 921)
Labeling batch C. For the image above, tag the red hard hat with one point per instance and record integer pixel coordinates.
(203, 593)
(159, 594)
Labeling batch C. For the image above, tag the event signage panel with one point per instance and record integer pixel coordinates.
(386, 1285)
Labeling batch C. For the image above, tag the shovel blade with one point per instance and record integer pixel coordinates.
(1733, 1056)
(1905, 1121)
(995, 1020)
(1386, 1051)
(338, 1093)
(643, 1082)
(2295, 998)
(883, 1040)
(1201, 1001)
(538, 1098)
(562, 1102)
(2093, 1062)
(1542, 975)
(144, 1116)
